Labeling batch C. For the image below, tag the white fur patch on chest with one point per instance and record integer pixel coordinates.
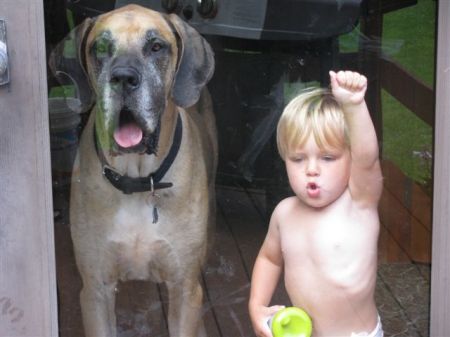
(141, 252)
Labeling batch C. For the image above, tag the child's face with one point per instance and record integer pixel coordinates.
(318, 176)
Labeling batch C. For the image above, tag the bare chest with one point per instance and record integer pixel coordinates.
(333, 241)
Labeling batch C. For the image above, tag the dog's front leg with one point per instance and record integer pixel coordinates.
(185, 309)
(97, 306)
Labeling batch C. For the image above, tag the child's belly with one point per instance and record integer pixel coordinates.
(336, 310)
(332, 276)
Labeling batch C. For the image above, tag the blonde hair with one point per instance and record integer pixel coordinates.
(316, 112)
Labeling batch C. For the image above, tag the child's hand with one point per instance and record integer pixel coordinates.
(260, 317)
(348, 87)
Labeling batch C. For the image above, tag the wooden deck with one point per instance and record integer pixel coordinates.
(402, 290)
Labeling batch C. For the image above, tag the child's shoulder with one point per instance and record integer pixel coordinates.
(286, 206)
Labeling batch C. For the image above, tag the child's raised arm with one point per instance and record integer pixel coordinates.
(366, 180)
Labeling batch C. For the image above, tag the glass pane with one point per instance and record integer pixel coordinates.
(140, 242)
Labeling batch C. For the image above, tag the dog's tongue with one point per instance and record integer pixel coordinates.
(128, 135)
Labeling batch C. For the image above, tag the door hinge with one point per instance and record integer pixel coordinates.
(4, 63)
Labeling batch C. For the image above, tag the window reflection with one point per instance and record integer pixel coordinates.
(256, 75)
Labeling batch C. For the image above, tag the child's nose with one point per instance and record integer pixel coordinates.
(312, 169)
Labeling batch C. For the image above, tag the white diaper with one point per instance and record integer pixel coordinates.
(377, 332)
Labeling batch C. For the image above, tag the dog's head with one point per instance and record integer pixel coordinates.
(135, 61)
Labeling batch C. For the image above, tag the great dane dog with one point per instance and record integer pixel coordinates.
(142, 203)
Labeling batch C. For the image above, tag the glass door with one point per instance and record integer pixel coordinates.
(265, 54)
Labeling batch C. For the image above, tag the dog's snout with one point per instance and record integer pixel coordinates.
(127, 76)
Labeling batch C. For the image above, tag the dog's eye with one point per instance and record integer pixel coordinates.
(153, 45)
(156, 46)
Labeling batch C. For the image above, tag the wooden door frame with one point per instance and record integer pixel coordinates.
(28, 305)
(440, 267)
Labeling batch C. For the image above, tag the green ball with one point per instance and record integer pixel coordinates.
(291, 322)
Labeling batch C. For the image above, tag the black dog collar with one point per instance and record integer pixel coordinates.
(150, 183)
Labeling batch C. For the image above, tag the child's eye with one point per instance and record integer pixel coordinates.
(328, 157)
(296, 159)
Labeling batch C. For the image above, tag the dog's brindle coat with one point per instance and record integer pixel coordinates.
(145, 69)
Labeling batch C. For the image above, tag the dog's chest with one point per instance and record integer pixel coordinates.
(140, 246)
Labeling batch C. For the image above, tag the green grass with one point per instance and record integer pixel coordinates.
(409, 38)
(407, 140)
(412, 31)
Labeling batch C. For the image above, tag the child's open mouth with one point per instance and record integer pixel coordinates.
(313, 190)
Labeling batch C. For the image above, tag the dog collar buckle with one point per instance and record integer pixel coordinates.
(152, 188)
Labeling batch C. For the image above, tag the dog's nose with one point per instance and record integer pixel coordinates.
(127, 76)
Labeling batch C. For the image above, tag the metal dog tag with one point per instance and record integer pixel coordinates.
(155, 215)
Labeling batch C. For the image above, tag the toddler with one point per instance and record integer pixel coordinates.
(325, 237)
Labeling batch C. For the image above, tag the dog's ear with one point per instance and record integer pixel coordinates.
(195, 65)
(67, 62)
